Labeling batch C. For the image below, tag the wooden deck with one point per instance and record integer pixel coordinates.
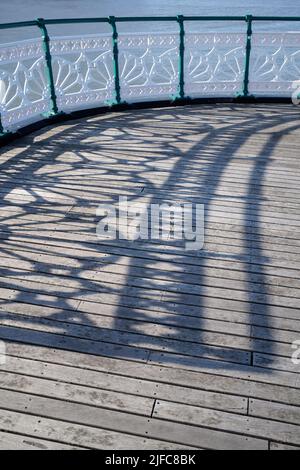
(126, 345)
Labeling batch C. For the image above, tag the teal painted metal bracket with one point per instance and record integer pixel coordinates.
(244, 95)
(248, 53)
(180, 94)
(117, 100)
(49, 71)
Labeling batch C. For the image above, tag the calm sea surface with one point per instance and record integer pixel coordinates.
(18, 10)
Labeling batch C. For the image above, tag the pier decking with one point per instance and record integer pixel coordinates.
(130, 345)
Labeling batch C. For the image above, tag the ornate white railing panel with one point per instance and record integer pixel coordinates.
(214, 64)
(82, 71)
(148, 66)
(274, 63)
(24, 93)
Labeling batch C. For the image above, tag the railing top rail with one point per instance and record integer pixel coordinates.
(123, 19)
(19, 24)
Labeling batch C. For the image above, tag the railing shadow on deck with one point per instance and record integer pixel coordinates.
(129, 309)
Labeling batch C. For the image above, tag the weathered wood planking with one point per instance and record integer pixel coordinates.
(9, 441)
(143, 344)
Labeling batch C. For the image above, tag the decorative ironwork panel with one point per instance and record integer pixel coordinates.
(148, 66)
(24, 94)
(214, 64)
(275, 63)
(83, 71)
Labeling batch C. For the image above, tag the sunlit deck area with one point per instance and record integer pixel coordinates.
(118, 344)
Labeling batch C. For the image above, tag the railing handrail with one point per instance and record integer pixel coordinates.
(121, 19)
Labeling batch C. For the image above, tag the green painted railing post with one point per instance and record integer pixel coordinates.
(49, 71)
(180, 20)
(112, 22)
(249, 20)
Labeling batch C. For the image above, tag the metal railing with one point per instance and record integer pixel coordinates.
(52, 105)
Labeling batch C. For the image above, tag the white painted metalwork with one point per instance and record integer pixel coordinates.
(274, 63)
(148, 66)
(24, 93)
(214, 64)
(83, 71)
(148, 69)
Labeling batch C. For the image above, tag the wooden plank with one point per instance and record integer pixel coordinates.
(127, 423)
(211, 319)
(263, 428)
(140, 248)
(237, 164)
(148, 334)
(76, 393)
(87, 223)
(55, 255)
(206, 298)
(128, 183)
(230, 271)
(211, 216)
(202, 365)
(127, 387)
(208, 375)
(110, 342)
(279, 446)
(72, 343)
(139, 277)
(221, 207)
(232, 244)
(205, 287)
(216, 317)
(86, 250)
(9, 441)
(268, 361)
(277, 411)
(157, 195)
(64, 433)
(181, 171)
(145, 321)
